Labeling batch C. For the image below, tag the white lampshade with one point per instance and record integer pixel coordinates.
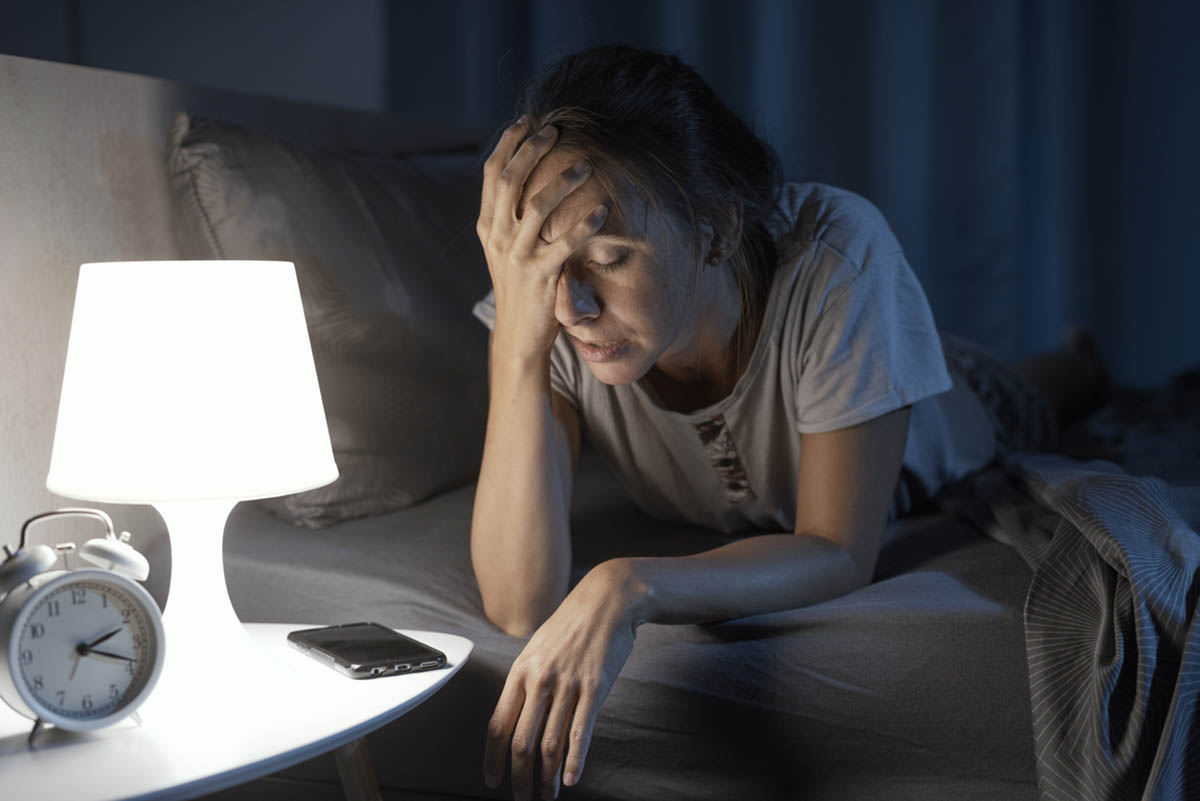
(187, 381)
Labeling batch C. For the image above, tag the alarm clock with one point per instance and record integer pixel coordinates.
(83, 648)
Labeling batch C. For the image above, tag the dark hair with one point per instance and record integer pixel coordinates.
(650, 123)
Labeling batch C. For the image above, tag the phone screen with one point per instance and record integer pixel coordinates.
(369, 644)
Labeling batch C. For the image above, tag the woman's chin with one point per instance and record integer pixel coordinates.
(618, 371)
(611, 374)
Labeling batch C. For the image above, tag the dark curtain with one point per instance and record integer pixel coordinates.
(1037, 160)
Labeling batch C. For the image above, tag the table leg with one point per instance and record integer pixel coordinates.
(357, 772)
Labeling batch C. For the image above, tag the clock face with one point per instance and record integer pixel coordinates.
(87, 647)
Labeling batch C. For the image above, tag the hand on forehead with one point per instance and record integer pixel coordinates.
(572, 208)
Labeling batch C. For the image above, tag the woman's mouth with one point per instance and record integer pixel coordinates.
(599, 351)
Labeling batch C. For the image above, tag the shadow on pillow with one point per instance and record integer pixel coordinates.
(389, 266)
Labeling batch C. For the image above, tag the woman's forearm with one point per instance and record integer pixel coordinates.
(520, 543)
(751, 576)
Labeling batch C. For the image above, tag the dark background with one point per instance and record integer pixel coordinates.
(1036, 159)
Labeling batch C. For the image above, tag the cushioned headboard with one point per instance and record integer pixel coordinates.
(83, 178)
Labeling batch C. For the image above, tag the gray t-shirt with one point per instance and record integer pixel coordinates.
(847, 336)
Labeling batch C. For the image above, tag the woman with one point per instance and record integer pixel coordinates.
(750, 355)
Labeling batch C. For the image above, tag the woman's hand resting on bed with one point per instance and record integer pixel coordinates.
(558, 682)
(525, 269)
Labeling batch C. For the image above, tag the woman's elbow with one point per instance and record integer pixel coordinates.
(513, 622)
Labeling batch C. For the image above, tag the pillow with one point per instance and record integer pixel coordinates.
(389, 266)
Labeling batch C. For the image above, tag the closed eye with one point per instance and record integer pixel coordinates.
(610, 265)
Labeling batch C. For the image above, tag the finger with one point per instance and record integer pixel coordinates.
(554, 741)
(526, 737)
(511, 180)
(582, 231)
(580, 738)
(495, 164)
(499, 731)
(540, 206)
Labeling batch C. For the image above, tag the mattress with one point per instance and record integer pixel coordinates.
(914, 686)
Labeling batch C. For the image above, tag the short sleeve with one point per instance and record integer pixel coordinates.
(564, 367)
(873, 348)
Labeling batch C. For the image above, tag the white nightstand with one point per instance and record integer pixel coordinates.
(302, 711)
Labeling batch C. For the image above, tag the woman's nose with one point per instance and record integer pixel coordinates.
(575, 302)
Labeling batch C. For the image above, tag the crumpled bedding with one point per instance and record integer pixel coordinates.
(1111, 632)
(1146, 431)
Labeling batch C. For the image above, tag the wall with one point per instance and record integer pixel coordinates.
(323, 52)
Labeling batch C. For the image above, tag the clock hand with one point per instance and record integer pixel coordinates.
(96, 642)
(84, 648)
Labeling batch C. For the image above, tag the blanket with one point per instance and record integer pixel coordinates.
(1111, 633)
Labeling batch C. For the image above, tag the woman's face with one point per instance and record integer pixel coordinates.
(625, 297)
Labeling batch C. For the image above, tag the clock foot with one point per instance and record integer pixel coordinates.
(37, 726)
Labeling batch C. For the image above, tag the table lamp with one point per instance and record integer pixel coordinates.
(190, 385)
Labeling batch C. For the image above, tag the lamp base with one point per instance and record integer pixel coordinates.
(207, 646)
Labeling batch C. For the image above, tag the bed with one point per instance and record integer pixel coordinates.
(1027, 634)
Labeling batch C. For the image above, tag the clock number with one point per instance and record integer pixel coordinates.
(113, 692)
(27, 657)
(36, 631)
(52, 609)
(38, 683)
(87, 702)
(78, 596)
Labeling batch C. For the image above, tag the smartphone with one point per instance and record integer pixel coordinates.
(366, 650)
